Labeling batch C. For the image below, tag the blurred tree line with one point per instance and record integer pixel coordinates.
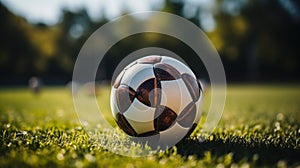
(258, 40)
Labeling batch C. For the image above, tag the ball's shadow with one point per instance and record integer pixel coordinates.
(261, 153)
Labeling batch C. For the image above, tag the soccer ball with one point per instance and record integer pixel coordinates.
(156, 95)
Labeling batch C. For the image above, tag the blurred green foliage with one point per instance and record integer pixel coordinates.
(257, 41)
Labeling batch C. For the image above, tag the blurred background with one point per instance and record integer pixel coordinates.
(258, 40)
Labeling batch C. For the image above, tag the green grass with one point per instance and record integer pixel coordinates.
(260, 127)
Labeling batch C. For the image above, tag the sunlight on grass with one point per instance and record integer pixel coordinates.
(44, 130)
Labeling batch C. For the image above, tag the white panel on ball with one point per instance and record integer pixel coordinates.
(182, 68)
(199, 108)
(113, 102)
(141, 127)
(174, 91)
(130, 65)
(186, 97)
(137, 111)
(172, 135)
(137, 74)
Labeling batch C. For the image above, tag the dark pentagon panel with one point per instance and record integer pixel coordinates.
(150, 60)
(164, 118)
(125, 96)
(147, 134)
(124, 125)
(193, 86)
(149, 92)
(164, 71)
(187, 116)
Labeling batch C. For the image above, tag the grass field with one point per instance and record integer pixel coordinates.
(260, 127)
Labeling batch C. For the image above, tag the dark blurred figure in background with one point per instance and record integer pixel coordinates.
(35, 85)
